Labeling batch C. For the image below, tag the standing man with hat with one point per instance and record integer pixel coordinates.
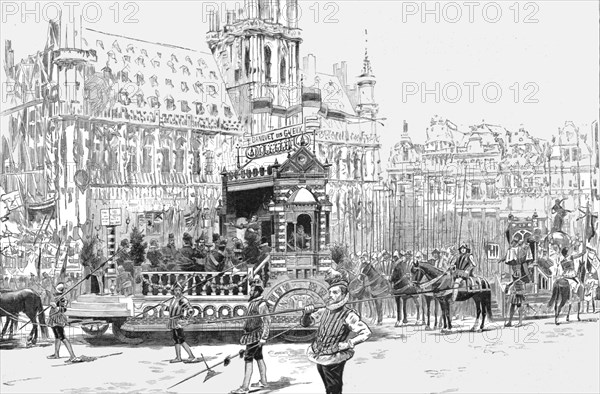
(264, 261)
(332, 349)
(57, 321)
(215, 262)
(177, 309)
(190, 255)
(256, 333)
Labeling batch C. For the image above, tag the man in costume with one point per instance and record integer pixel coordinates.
(568, 265)
(188, 259)
(57, 321)
(256, 333)
(178, 307)
(252, 229)
(215, 261)
(463, 269)
(300, 240)
(516, 288)
(262, 267)
(560, 212)
(332, 349)
(170, 251)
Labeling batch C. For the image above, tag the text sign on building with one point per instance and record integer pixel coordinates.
(104, 217)
(110, 217)
(277, 141)
(115, 216)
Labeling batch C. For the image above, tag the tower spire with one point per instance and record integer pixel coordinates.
(366, 71)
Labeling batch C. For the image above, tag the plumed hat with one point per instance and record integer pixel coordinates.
(335, 278)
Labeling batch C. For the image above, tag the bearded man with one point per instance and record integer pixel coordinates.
(331, 349)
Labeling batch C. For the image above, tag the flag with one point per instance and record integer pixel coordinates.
(38, 267)
(262, 105)
(311, 97)
(590, 231)
(293, 110)
(63, 270)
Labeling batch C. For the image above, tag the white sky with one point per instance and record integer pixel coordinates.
(558, 54)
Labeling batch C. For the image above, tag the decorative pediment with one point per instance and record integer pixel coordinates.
(301, 162)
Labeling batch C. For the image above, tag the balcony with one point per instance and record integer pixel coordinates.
(203, 284)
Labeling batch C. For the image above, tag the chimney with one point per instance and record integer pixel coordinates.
(310, 64)
(292, 13)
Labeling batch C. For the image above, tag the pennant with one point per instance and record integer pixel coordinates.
(63, 270)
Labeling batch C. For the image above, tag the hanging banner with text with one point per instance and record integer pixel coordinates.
(277, 141)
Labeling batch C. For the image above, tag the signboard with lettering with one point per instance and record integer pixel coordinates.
(104, 217)
(115, 216)
(277, 141)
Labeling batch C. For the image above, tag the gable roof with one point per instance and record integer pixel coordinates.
(303, 161)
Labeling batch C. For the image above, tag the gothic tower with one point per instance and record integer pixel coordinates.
(258, 51)
(366, 89)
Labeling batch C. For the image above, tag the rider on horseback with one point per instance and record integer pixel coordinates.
(568, 265)
(463, 269)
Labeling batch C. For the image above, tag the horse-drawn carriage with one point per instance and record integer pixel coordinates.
(283, 197)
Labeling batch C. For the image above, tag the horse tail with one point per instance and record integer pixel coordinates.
(39, 310)
(555, 293)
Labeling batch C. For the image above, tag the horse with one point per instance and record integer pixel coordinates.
(558, 239)
(404, 288)
(568, 291)
(367, 284)
(441, 284)
(29, 302)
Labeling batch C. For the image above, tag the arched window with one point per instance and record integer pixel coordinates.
(247, 62)
(267, 64)
(282, 70)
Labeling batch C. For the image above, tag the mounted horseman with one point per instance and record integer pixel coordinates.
(462, 269)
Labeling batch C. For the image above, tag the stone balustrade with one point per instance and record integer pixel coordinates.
(195, 283)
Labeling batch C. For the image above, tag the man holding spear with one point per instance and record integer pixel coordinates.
(332, 348)
(256, 333)
(177, 309)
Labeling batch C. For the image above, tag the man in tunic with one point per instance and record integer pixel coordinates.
(215, 261)
(263, 262)
(299, 240)
(463, 269)
(178, 308)
(331, 349)
(188, 256)
(252, 229)
(516, 288)
(256, 333)
(568, 265)
(170, 251)
(57, 321)
(560, 212)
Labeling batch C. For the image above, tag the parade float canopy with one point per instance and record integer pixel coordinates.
(150, 76)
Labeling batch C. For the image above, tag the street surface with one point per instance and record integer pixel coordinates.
(538, 357)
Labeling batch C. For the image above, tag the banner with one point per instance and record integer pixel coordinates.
(311, 97)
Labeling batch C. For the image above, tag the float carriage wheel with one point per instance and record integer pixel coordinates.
(295, 294)
(95, 328)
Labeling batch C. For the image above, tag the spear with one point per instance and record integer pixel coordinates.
(396, 294)
(226, 361)
(77, 284)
